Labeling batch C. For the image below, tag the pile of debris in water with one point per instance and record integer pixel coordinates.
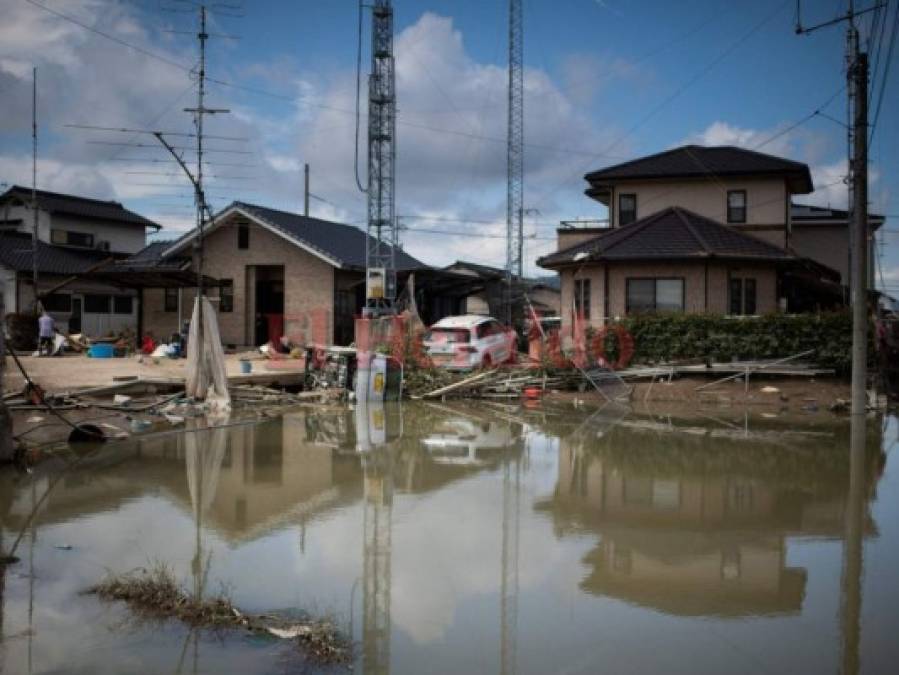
(155, 594)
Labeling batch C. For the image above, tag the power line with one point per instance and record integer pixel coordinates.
(886, 72)
(293, 100)
(144, 131)
(814, 113)
(671, 97)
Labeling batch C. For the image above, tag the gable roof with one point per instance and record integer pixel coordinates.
(15, 254)
(807, 213)
(56, 202)
(672, 234)
(338, 244)
(698, 161)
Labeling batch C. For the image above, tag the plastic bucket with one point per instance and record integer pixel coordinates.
(101, 351)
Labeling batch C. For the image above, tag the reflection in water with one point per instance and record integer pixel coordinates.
(422, 505)
(694, 524)
(374, 436)
(851, 596)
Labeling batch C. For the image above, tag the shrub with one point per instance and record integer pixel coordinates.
(670, 337)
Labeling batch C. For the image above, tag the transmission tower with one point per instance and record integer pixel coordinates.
(515, 155)
(382, 240)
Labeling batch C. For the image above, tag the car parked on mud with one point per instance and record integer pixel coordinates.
(469, 341)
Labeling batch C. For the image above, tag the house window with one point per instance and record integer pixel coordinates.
(171, 299)
(736, 206)
(57, 302)
(582, 298)
(67, 238)
(96, 304)
(742, 297)
(243, 236)
(646, 296)
(627, 209)
(226, 296)
(122, 304)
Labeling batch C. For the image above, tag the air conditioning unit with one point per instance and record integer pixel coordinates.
(102, 246)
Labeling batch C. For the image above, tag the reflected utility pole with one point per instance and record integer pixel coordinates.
(853, 544)
(511, 527)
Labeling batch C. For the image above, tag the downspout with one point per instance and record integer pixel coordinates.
(788, 218)
(605, 293)
(706, 290)
(140, 316)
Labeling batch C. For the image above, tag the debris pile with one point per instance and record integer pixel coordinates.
(154, 593)
(513, 383)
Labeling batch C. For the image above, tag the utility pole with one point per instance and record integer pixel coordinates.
(306, 190)
(34, 213)
(857, 81)
(199, 192)
(382, 239)
(515, 155)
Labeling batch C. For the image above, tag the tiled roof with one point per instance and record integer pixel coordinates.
(672, 234)
(697, 161)
(98, 209)
(806, 212)
(15, 254)
(151, 256)
(341, 243)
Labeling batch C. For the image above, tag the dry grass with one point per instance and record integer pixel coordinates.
(156, 594)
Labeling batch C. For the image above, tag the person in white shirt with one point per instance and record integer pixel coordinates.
(46, 329)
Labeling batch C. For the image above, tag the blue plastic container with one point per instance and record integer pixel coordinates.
(246, 367)
(101, 351)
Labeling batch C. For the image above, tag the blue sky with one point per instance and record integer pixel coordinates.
(606, 80)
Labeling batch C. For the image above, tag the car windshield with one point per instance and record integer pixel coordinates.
(448, 335)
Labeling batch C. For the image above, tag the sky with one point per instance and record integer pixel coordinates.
(605, 81)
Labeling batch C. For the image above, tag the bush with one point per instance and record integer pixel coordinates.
(670, 337)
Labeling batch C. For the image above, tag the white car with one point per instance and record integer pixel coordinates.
(469, 341)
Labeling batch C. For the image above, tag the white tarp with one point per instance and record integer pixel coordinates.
(207, 378)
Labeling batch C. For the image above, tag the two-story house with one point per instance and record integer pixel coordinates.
(75, 235)
(701, 229)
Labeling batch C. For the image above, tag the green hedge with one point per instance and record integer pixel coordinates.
(669, 337)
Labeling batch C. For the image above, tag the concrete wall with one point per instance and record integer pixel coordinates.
(826, 244)
(308, 288)
(699, 297)
(567, 237)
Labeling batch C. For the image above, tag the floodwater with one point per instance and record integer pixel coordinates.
(459, 538)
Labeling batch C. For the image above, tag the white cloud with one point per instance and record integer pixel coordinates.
(451, 157)
(828, 176)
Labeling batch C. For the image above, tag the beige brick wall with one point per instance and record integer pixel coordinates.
(308, 288)
(693, 274)
(595, 274)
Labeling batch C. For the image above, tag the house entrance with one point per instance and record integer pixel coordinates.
(269, 303)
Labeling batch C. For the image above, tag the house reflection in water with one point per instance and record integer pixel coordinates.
(694, 525)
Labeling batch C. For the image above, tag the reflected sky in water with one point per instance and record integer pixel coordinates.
(480, 537)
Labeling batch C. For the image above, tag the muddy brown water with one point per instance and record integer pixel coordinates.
(458, 538)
